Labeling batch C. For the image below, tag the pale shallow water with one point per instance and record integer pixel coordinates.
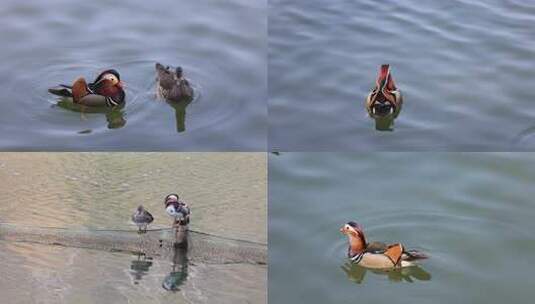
(226, 192)
(221, 47)
(34, 273)
(472, 213)
(465, 68)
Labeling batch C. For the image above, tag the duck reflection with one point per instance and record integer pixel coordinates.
(357, 273)
(524, 135)
(386, 122)
(180, 113)
(140, 267)
(114, 115)
(115, 118)
(179, 271)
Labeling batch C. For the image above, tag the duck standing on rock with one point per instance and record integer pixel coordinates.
(376, 254)
(106, 91)
(172, 85)
(142, 218)
(177, 209)
(385, 99)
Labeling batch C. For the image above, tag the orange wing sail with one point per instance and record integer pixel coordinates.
(394, 252)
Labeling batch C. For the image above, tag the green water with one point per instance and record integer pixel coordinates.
(472, 213)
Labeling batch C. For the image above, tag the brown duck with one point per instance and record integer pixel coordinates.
(376, 254)
(172, 85)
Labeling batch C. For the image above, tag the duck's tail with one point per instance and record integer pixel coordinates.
(413, 255)
(61, 90)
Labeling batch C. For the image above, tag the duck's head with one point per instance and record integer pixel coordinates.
(109, 78)
(382, 101)
(140, 209)
(171, 198)
(163, 71)
(384, 79)
(355, 235)
(178, 72)
(160, 67)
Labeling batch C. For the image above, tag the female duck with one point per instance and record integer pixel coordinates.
(385, 99)
(105, 91)
(172, 85)
(377, 255)
(142, 218)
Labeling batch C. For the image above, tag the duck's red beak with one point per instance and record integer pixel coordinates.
(121, 84)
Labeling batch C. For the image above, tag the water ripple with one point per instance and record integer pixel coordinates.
(461, 65)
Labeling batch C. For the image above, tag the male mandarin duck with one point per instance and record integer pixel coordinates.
(177, 209)
(376, 254)
(172, 85)
(105, 91)
(385, 99)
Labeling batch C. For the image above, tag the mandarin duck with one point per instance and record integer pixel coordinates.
(177, 209)
(105, 91)
(385, 99)
(377, 255)
(172, 85)
(142, 218)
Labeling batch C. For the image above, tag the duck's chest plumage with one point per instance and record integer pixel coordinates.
(372, 260)
(113, 95)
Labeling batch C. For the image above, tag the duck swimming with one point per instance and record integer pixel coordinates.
(105, 91)
(142, 218)
(377, 255)
(385, 99)
(177, 209)
(172, 85)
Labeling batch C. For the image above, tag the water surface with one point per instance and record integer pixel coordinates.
(465, 69)
(221, 47)
(472, 213)
(50, 274)
(226, 192)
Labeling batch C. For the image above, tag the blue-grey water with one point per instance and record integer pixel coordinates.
(225, 191)
(472, 213)
(221, 46)
(465, 69)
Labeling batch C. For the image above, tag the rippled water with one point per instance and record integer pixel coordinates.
(472, 213)
(220, 45)
(464, 68)
(226, 192)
